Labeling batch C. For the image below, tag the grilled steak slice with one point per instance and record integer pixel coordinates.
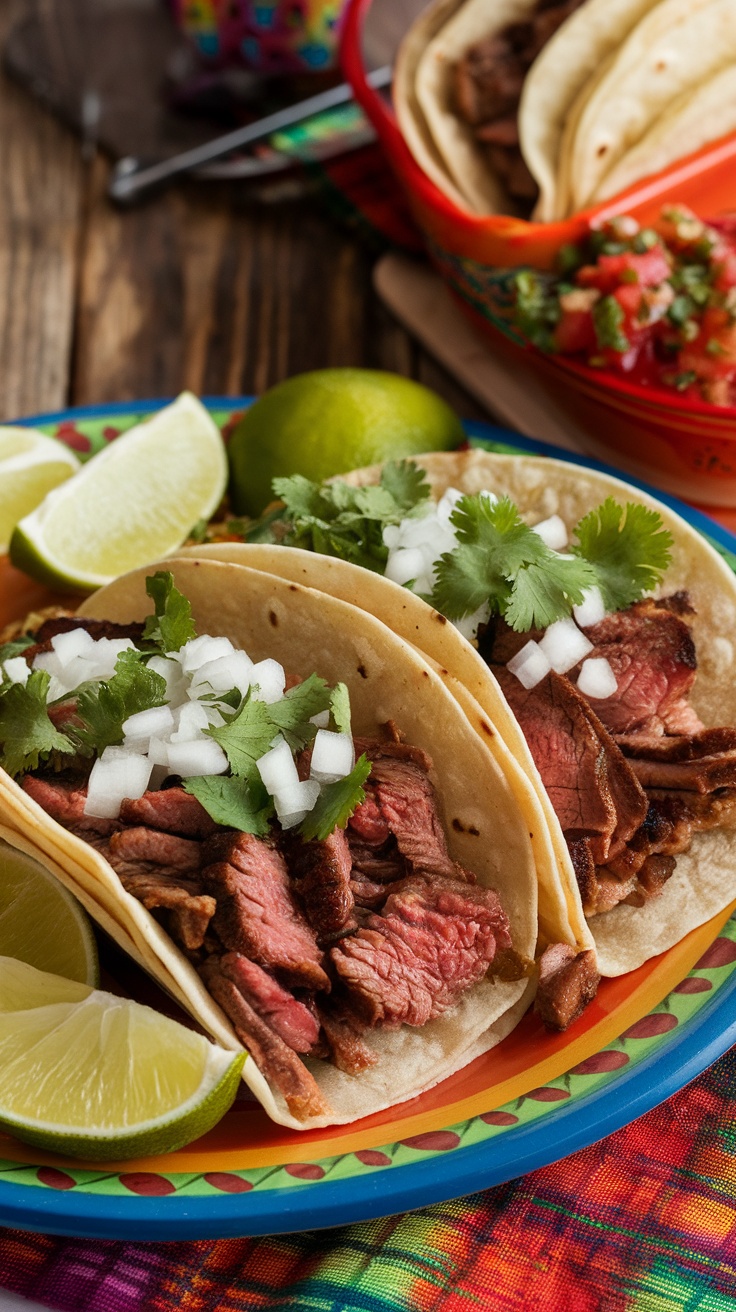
(172, 810)
(652, 878)
(402, 792)
(274, 1058)
(701, 811)
(381, 867)
(64, 802)
(677, 747)
(651, 651)
(320, 873)
(703, 775)
(348, 1051)
(590, 785)
(568, 981)
(149, 845)
(369, 824)
(190, 910)
(432, 942)
(256, 912)
(287, 1017)
(367, 893)
(394, 749)
(584, 867)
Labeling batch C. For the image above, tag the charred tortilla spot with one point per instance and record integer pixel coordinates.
(273, 619)
(485, 726)
(362, 672)
(441, 619)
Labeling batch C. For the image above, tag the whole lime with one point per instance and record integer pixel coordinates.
(329, 421)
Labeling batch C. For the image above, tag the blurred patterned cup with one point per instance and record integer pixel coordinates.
(271, 36)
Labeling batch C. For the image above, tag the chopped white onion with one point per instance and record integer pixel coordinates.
(50, 662)
(171, 671)
(277, 769)
(232, 670)
(564, 645)
(105, 655)
(198, 651)
(295, 801)
(322, 720)
(553, 532)
(404, 564)
(158, 721)
(529, 665)
(158, 752)
(115, 775)
(597, 679)
(269, 678)
(191, 721)
(591, 609)
(79, 670)
(333, 756)
(204, 756)
(17, 669)
(77, 642)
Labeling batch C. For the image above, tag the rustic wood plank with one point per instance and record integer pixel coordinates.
(41, 173)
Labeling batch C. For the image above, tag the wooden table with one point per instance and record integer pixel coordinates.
(200, 287)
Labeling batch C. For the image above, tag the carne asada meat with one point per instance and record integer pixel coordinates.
(150, 845)
(568, 981)
(64, 802)
(590, 784)
(96, 629)
(274, 1058)
(432, 941)
(651, 651)
(348, 1050)
(320, 874)
(256, 911)
(287, 1017)
(171, 809)
(488, 83)
(703, 775)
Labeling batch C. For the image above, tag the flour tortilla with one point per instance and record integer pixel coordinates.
(704, 882)
(564, 70)
(677, 47)
(694, 119)
(487, 831)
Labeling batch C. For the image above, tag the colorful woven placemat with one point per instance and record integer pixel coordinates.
(644, 1221)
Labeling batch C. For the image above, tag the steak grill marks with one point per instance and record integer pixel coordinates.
(279, 929)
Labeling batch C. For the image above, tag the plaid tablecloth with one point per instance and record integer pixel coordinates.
(644, 1221)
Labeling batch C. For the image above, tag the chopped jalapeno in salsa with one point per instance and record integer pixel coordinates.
(657, 304)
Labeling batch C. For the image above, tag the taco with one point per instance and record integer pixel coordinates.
(537, 101)
(358, 965)
(637, 775)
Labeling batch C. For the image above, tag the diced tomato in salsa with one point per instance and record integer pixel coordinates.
(648, 270)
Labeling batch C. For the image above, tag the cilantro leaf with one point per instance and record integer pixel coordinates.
(232, 801)
(172, 625)
(608, 317)
(406, 482)
(336, 802)
(292, 714)
(16, 646)
(340, 708)
(26, 732)
(104, 707)
(247, 735)
(545, 591)
(629, 549)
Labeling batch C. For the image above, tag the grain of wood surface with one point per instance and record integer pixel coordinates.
(200, 287)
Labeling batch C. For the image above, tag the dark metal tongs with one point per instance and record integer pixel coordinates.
(131, 177)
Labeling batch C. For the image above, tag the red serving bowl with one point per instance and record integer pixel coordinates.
(687, 447)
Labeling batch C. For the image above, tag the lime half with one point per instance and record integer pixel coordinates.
(90, 1075)
(31, 464)
(132, 503)
(41, 923)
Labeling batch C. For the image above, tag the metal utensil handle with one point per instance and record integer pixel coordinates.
(130, 179)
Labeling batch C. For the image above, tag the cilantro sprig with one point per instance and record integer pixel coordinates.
(336, 519)
(628, 547)
(172, 625)
(104, 707)
(27, 733)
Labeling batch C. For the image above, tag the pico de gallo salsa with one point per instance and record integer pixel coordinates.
(657, 304)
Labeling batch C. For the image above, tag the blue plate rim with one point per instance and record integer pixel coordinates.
(694, 1046)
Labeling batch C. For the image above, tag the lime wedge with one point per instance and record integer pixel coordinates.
(41, 923)
(31, 464)
(91, 1075)
(132, 503)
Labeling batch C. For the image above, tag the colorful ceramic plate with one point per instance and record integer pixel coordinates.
(529, 1102)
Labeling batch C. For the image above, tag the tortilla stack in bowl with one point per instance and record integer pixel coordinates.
(636, 778)
(364, 929)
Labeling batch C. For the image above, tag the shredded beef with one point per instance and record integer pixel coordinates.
(275, 1059)
(172, 810)
(568, 981)
(287, 1017)
(433, 940)
(320, 874)
(256, 911)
